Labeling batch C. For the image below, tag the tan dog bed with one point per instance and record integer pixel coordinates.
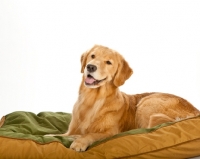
(22, 136)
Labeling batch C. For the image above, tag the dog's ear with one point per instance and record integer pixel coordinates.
(123, 73)
(83, 61)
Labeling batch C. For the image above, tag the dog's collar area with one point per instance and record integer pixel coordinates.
(90, 80)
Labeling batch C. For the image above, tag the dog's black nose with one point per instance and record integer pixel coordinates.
(91, 68)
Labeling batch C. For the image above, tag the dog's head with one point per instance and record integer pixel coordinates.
(101, 65)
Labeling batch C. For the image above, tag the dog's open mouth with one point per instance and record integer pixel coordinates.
(90, 80)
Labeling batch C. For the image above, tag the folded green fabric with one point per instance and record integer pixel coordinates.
(27, 125)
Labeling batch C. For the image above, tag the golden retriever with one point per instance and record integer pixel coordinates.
(102, 110)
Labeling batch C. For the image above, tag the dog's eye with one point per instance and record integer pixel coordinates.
(108, 62)
(92, 56)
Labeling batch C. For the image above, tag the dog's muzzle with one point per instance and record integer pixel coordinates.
(90, 80)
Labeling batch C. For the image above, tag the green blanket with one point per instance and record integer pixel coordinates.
(27, 125)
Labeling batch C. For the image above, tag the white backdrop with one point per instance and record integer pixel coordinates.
(41, 43)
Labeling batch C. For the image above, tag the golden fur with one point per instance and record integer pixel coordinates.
(102, 110)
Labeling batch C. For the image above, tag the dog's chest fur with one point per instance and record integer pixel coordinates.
(87, 114)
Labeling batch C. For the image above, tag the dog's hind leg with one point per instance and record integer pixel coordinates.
(158, 118)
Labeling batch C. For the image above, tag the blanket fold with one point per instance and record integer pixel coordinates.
(27, 125)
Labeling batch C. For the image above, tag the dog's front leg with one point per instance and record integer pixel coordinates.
(82, 143)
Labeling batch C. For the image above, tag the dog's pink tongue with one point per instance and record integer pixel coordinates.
(89, 80)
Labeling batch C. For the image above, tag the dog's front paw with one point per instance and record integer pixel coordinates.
(79, 145)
